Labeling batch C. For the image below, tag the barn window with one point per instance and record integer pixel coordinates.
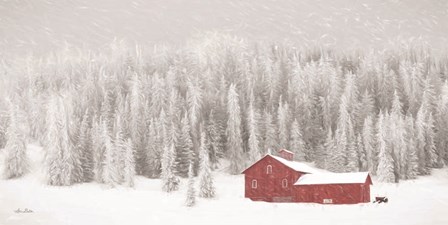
(269, 169)
(284, 183)
(254, 184)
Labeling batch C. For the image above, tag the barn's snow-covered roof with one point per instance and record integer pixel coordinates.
(297, 166)
(332, 178)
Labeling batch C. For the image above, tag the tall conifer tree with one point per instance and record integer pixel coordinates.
(234, 140)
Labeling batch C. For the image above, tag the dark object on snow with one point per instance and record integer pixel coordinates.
(381, 200)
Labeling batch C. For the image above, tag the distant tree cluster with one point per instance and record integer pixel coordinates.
(105, 117)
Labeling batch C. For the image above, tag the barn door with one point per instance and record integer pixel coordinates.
(270, 188)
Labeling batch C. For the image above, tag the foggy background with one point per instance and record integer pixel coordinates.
(40, 26)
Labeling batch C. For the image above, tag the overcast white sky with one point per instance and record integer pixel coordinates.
(42, 25)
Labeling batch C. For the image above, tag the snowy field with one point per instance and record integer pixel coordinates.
(422, 201)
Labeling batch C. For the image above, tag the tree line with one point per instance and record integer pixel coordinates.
(167, 113)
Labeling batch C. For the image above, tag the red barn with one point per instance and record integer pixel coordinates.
(280, 179)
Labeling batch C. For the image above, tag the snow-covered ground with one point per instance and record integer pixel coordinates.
(422, 201)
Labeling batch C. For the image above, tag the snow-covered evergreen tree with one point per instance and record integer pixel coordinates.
(254, 135)
(424, 125)
(158, 96)
(3, 128)
(367, 108)
(138, 123)
(153, 150)
(58, 163)
(413, 83)
(361, 154)
(16, 162)
(385, 171)
(334, 94)
(161, 140)
(397, 137)
(98, 149)
(350, 98)
(129, 164)
(385, 88)
(338, 161)
(297, 144)
(170, 182)
(283, 125)
(206, 188)
(234, 138)
(270, 137)
(368, 138)
(185, 154)
(191, 192)
(214, 133)
(194, 101)
(107, 108)
(76, 153)
(411, 163)
(420, 141)
(327, 149)
(327, 114)
(112, 170)
(441, 125)
(430, 147)
(352, 151)
(84, 146)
